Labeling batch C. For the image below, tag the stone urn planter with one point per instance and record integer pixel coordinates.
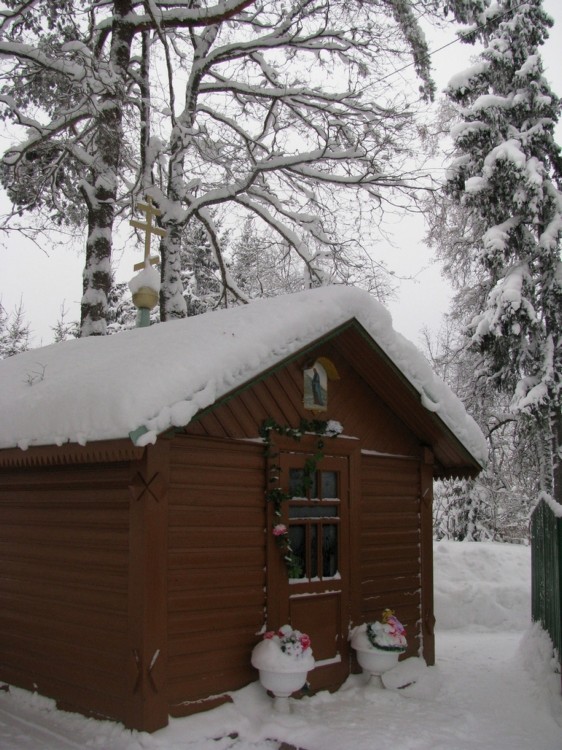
(283, 659)
(375, 662)
(378, 646)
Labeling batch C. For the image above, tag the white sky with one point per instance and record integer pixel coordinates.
(46, 278)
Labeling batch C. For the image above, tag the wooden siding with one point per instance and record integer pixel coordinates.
(362, 412)
(216, 567)
(64, 545)
(395, 421)
(390, 542)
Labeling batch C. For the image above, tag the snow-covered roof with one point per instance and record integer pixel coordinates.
(150, 379)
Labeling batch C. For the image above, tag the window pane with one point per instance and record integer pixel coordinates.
(297, 536)
(329, 481)
(329, 550)
(312, 511)
(313, 551)
(296, 483)
(312, 485)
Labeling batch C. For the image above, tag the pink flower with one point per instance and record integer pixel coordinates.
(304, 641)
(269, 635)
(396, 627)
(279, 530)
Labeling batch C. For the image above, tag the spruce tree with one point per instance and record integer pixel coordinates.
(200, 276)
(14, 332)
(505, 181)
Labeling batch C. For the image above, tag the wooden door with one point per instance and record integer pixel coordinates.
(314, 596)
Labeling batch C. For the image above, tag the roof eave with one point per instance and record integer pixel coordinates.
(467, 466)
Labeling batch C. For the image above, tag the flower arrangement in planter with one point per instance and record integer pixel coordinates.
(379, 644)
(388, 635)
(283, 658)
(284, 650)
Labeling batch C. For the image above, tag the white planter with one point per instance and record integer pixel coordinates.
(376, 662)
(279, 673)
(282, 684)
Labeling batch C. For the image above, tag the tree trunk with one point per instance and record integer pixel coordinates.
(172, 302)
(101, 193)
(97, 270)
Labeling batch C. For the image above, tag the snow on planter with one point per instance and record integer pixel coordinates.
(388, 635)
(285, 650)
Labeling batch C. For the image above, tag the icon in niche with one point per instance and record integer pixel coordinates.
(316, 388)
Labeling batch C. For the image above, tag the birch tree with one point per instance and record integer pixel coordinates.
(285, 118)
(72, 84)
(68, 90)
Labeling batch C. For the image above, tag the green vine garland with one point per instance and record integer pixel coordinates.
(276, 494)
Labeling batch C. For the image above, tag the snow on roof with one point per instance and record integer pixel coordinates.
(99, 388)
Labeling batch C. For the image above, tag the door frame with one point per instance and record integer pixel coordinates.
(277, 581)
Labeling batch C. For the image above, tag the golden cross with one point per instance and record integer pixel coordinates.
(150, 229)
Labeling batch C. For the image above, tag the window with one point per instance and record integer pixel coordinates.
(314, 522)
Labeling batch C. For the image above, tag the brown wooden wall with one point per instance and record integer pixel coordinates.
(362, 411)
(134, 588)
(64, 546)
(389, 517)
(216, 567)
(390, 542)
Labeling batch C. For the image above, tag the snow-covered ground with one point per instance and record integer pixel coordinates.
(493, 688)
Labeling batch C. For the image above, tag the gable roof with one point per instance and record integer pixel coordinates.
(144, 381)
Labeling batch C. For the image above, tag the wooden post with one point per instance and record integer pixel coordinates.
(426, 541)
(148, 657)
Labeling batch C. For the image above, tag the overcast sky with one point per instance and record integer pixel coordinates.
(44, 279)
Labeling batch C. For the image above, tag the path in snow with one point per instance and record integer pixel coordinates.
(479, 697)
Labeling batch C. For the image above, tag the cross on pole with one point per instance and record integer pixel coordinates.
(150, 229)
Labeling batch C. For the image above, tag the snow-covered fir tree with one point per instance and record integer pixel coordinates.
(122, 313)
(200, 276)
(505, 181)
(14, 332)
(462, 511)
(65, 329)
(500, 498)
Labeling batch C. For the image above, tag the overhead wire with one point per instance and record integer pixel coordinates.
(454, 41)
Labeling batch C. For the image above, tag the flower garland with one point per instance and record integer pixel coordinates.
(276, 495)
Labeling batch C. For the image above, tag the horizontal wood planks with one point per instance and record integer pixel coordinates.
(351, 402)
(390, 542)
(216, 567)
(64, 555)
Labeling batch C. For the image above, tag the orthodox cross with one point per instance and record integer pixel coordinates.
(150, 229)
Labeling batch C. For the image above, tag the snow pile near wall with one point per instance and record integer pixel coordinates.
(159, 377)
(541, 662)
(482, 586)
